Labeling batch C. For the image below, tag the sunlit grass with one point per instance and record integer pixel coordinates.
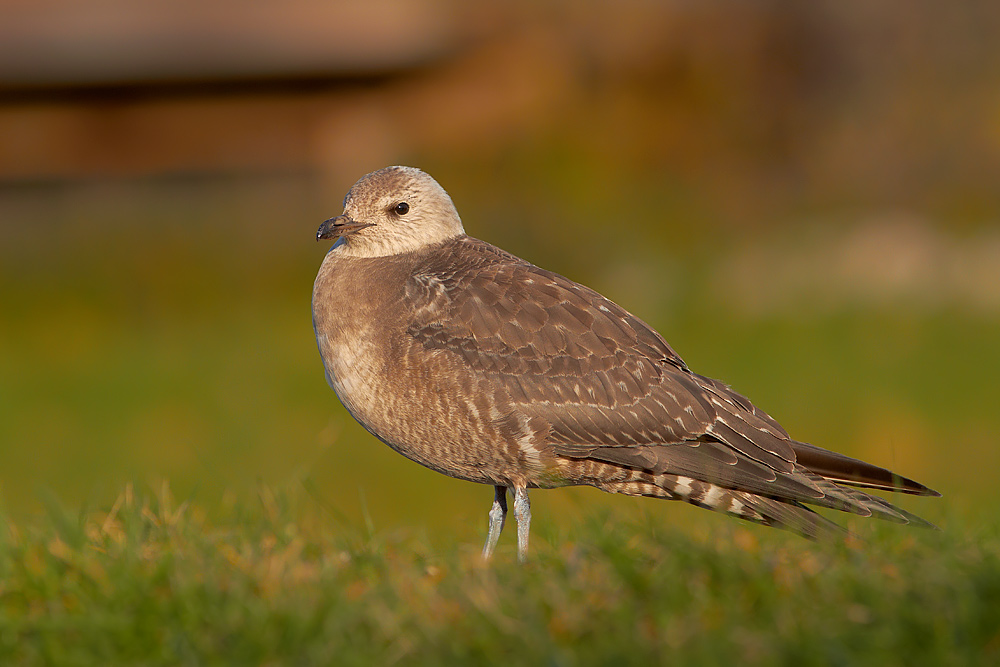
(277, 579)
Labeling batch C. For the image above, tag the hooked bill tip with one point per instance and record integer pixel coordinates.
(339, 226)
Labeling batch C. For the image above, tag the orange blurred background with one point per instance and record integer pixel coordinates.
(802, 197)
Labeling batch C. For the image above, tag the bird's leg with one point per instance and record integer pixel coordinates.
(498, 513)
(522, 512)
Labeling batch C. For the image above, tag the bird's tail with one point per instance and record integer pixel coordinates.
(778, 512)
(791, 515)
(845, 470)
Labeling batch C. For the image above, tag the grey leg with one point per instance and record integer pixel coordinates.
(497, 516)
(522, 512)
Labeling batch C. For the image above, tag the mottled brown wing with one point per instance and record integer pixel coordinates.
(597, 375)
(602, 386)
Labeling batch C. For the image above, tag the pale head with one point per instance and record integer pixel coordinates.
(392, 211)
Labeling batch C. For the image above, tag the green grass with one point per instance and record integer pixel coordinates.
(278, 580)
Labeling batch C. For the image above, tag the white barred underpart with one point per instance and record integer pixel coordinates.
(706, 495)
(687, 489)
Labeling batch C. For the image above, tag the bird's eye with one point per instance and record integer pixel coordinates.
(402, 208)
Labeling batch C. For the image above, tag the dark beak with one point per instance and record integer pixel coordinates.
(340, 226)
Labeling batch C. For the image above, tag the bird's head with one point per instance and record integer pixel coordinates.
(391, 211)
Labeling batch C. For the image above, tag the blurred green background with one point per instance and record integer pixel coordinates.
(803, 198)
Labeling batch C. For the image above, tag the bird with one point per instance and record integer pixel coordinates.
(484, 367)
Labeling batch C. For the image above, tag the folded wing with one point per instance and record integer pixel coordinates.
(610, 389)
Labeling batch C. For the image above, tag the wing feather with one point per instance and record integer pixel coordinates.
(610, 389)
